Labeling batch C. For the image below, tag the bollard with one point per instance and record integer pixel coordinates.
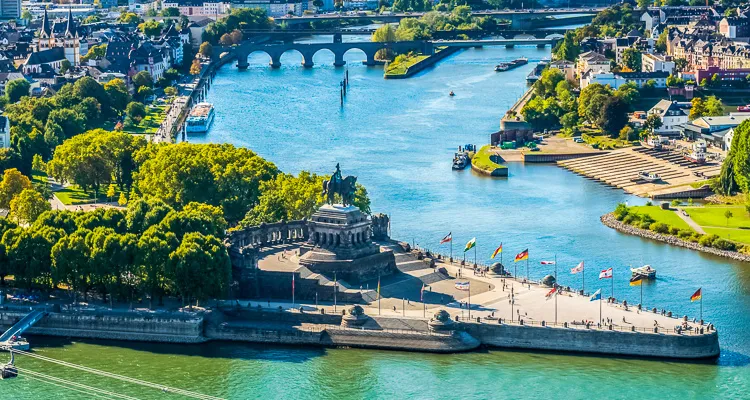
(456, 318)
(611, 327)
(565, 324)
(656, 329)
(479, 320)
(520, 322)
(543, 323)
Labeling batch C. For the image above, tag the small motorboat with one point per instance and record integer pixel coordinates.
(461, 160)
(451, 94)
(645, 271)
(648, 176)
(744, 108)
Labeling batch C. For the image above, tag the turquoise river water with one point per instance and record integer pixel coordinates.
(398, 138)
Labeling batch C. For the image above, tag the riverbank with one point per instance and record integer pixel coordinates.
(487, 163)
(288, 326)
(410, 65)
(609, 220)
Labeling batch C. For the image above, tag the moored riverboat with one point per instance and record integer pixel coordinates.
(200, 119)
(506, 66)
(698, 154)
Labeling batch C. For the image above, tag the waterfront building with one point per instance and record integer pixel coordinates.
(615, 80)
(277, 8)
(197, 27)
(199, 7)
(568, 68)
(672, 114)
(64, 35)
(713, 129)
(656, 63)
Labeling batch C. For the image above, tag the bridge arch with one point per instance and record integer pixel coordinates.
(554, 36)
(324, 54)
(369, 55)
(257, 55)
(287, 55)
(524, 36)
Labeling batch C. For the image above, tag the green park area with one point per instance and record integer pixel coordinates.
(725, 227)
(482, 160)
(149, 124)
(660, 215)
(400, 65)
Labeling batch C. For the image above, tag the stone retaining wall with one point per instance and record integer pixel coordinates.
(596, 341)
(134, 327)
(610, 221)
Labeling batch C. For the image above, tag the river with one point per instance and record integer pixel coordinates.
(398, 138)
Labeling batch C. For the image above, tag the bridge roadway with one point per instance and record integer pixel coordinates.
(308, 50)
(518, 18)
(504, 33)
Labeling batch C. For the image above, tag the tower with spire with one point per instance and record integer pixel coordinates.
(63, 34)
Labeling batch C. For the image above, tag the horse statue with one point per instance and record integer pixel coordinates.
(344, 187)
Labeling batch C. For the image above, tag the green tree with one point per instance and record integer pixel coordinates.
(547, 84)
(219, 175)
(118, 94)
(71, 262)
(614, 115)
(65, 66)
(631, 58)
(661, 41)
(16, 89)
(206, 49)
(136, 111)
(28, 206)
(728, 215)
(199, 268)
(111, 191)
(170, 12)
(12, 185)
(697, 108)
(653, 122)
(29, 252)
(153, 256)
(714, 107)
(143, 79)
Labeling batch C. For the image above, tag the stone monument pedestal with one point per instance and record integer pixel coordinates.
(340, 243)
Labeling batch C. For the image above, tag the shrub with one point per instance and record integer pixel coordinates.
(659, 227)
(695, 237)
(675, 203)
(673, 230)
(723, 244)
(644, 225)
(631, 219)
(649, 203)
(708, 240)
(685, 233)
(647, 218)
(621, 211)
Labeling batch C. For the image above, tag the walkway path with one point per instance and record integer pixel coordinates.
(686, 217)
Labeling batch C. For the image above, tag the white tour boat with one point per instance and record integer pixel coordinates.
(200, 118)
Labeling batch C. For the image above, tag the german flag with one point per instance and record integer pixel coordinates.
(697, 295)
(524, 255)
(636, 280)
(497, 250)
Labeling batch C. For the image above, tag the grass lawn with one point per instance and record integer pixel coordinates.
(73, 195)
(482, 160)
(659, 215)
(714, 216)
(605, 142)
(150, 123)
(38, 177)
(400, 68)
(735, 235)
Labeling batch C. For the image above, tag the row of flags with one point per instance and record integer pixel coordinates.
(636, 280)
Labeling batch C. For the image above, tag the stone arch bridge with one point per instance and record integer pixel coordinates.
(338, 49)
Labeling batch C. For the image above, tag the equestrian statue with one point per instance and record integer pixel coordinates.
(344, 187)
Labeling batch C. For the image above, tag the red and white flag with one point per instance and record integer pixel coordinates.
(606, 274)
(447, 238)
(548, 263)
(578, 268)
(550, 293)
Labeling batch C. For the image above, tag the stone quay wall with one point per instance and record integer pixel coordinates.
(595, 341)
(130, 326)
(610, 221)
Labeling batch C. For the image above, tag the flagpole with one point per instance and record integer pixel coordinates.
(557, 285)
(501, 256)
(378, 294)
(292, 289)
(701, 306)
(451, 248)
(475, 254)
(641, 285)
(600, 308)
(583, 278)
(527, 268)
(469, 299)
(612, 278)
